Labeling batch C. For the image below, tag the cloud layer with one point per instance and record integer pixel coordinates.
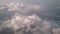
(27, 18)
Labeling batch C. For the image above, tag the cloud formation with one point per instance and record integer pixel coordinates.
(23, 7)
(32, 23)
(23, 18)
(19, 21)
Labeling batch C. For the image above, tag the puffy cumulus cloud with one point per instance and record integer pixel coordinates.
(19, 21)
(31, 23)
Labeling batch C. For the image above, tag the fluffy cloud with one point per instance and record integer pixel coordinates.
(19, 21)
(32, 23)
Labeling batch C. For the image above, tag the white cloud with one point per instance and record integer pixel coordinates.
(19, 21)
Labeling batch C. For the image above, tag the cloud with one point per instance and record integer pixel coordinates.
(32, 23)
(23, 7)
(22, 21)
(56, 30)
(13, 6)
